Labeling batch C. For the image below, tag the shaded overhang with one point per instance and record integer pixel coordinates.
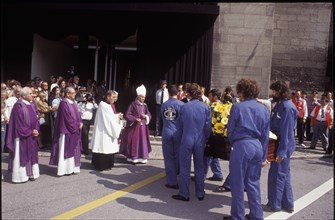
(188, 8)
(111, 22)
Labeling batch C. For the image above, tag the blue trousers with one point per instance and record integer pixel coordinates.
(321, 130)
(214, 163)
(171, 158)
(245, 171)
(185, 155)
(280, 193)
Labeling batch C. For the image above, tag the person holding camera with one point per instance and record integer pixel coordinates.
(86, 109)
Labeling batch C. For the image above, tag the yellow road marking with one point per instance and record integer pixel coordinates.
(99, 202)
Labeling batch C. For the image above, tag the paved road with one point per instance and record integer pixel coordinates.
(137, 192)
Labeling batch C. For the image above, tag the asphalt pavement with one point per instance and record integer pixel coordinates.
(137, 191)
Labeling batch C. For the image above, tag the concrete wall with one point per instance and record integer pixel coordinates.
(243, 45)
(300, 44)
(272, 41)
(50, 58)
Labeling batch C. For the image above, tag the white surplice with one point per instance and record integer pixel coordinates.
(106, 131)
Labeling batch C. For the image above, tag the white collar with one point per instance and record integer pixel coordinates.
(69, 100)
(25, 102)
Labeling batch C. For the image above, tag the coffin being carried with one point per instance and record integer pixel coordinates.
(219, 147)
(272, 147)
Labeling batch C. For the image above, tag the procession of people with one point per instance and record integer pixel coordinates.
(185, 120)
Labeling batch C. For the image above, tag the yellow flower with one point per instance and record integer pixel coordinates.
(224, 121)
(219, 128)
(220, 115)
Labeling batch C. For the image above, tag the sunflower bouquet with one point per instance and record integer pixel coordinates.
(220, 115)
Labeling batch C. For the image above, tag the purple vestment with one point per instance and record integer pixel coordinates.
(23, 120)
(67, 122)
(135, 142)
(113, 107)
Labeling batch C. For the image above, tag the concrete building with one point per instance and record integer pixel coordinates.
(274, 41)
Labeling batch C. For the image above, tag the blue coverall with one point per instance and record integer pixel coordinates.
(195, 127)
(283, 121)
(248, 132)
(170, 111)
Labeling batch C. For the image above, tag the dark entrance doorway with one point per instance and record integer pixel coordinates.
(125, 81)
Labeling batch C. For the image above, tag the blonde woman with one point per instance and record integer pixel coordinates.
(44, 111)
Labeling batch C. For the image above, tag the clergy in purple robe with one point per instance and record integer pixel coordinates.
(135, 142)
(66, 143)
(22, 139)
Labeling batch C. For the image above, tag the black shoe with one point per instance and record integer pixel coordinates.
(289, 210)
(310, 148)
(221, 189)
(181, 198)
(201, 198)
(247, 216)
(267, 208)
(227, 217)
(215, 178)
(172, 186)
(328, 152)
(31, 179)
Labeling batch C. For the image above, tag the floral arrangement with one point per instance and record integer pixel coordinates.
(220, 115)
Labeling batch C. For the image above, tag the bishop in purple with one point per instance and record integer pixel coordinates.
(22, 139)
(135, 142)
(66, 145)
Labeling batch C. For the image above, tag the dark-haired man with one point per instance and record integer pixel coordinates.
(170, 111)
(283, 122)
(195, 128)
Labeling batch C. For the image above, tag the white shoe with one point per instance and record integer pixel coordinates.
(302, 145)
(144, 161)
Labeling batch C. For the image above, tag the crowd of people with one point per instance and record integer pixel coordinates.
(33, 113)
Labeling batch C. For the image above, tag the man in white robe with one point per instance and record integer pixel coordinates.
(106, 131)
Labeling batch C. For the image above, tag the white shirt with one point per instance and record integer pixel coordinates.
(10, 104)
(54, 103)
(159, 96)
(86, 110)
(318, 117)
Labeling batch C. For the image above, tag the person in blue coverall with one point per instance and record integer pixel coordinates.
(248, 132)
(170, 111)
(214, 96)
(195, 128)
(283, 122)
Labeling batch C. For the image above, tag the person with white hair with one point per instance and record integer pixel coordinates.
(135, 143)
(22, 139)
(66, 143)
